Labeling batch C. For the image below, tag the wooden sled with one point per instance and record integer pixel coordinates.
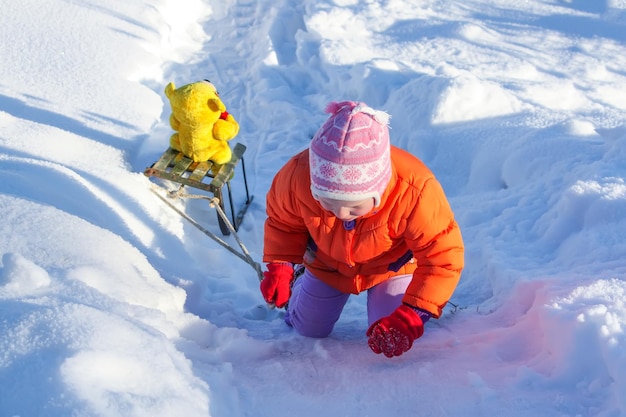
(207, 176)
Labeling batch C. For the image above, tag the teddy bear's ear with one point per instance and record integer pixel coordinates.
(169, 89)
(216, 105)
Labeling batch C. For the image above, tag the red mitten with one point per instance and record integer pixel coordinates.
(276, 284)
(393, 335)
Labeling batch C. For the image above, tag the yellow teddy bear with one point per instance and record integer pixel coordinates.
(202, 124)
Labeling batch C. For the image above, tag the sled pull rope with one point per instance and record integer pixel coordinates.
(214, 202)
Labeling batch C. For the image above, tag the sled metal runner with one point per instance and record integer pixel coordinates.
(174, 166)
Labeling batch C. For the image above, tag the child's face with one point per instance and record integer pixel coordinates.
(347, 210)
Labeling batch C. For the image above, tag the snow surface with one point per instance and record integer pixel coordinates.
(113, 305)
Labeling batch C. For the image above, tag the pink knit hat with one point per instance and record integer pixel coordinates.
(349, 155)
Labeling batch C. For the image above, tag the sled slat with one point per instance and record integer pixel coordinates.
(181, 166)
(165, 159)
(201, 171)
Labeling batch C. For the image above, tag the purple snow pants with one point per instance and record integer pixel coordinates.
(315, 307)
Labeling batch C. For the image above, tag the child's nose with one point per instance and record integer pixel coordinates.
(342, 213)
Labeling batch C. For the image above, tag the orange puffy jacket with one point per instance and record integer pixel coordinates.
(414, 218)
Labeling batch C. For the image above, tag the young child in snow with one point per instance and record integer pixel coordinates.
(360, 215)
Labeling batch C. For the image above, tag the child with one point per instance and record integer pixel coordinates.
(360, 215)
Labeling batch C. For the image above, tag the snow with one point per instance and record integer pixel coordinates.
(113, 305)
